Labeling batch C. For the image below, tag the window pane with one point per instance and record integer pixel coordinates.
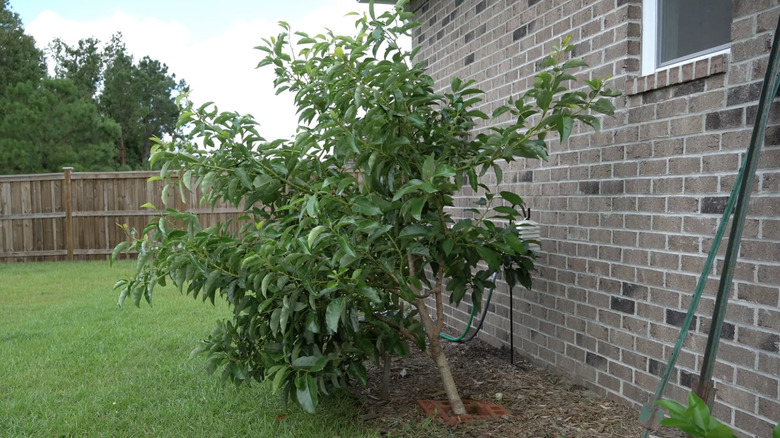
(687, 28)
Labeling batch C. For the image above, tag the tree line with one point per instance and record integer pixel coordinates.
(95, 109)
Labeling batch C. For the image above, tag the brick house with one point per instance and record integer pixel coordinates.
(629, 214)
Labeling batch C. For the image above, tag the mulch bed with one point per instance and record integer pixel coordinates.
(541, 404)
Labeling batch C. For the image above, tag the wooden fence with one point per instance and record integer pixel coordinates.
(75, 215)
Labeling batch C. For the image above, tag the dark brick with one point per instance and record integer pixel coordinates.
(612, 187)
(448, 19)
(520, 32)
(480, 7)
(468, 37)
(469, 59)
(743, 94)
(655, 96)
(687, 379)
(771, 343)
(675, 318)
(622, 305)
(621, 2)
(656, 367)
(421, 38)
(439, 35)
(628, 289)
(713, 204)
(458, 3)
(526, 176)
(727, 331)
(690, 87)
(595, 360)
(533, 2)
(726, 119)
(432, 21)
(589, 187)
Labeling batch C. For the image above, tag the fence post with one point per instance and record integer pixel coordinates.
(67, 200)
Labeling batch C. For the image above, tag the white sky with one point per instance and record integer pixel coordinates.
(210, 44)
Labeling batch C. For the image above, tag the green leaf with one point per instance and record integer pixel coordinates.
(186, 179)
(444, 171)
(243, 177)
(512, 198)
(721, 431)
(311, 363)
(370, 293)
(264, 285)
(604, 106)
(675, 409)
(573, 63)
(544, 98)
(304, 397)
(407, 188)
(365, 207)
(564, 126)
(149, 205)
(500, 110)
(416, 207)
(515, 243)
(699, 411)
(429, 168)
(211, 283)
(492, 258)
(118, 249)
(313, 234)
(776, 431)
(333, 314)
(414, 230)
(279, 378)
(506, 210)
(344, 244)
(447, 246)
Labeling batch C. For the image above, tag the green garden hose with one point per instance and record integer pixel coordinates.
(462, 337)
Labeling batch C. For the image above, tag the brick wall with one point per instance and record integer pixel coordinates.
(629, 214)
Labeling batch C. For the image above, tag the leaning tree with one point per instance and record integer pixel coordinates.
(349, 246)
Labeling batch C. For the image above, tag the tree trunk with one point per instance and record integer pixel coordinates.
(122, 152)
(436, 353)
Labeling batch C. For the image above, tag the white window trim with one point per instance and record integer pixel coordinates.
(650, 42)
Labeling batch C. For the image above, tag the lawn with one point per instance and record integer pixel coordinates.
(75, 364)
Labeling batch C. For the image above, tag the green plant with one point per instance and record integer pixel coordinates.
(349, 233)
(695, 420)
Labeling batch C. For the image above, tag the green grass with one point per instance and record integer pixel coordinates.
(75, 364)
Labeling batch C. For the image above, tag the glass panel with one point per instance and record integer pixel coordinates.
(688, 28)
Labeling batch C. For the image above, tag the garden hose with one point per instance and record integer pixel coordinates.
(463, 337)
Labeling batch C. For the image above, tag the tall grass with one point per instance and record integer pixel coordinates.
(75, 364)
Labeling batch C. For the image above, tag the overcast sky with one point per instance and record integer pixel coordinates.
(207, 43)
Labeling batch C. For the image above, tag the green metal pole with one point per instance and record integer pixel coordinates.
(768, 92)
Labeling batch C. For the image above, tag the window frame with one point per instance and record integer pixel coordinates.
(649, 59)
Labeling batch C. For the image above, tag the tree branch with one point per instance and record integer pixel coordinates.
(404, 332)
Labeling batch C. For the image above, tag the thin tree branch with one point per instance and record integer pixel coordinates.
(404, 332)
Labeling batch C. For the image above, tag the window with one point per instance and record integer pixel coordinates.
(676, 31)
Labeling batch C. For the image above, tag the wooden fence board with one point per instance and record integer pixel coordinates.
(33, 212)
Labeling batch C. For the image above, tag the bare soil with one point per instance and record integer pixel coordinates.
(542, 404)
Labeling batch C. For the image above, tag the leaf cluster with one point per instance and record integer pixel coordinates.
(351, 225)
(695, 420)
